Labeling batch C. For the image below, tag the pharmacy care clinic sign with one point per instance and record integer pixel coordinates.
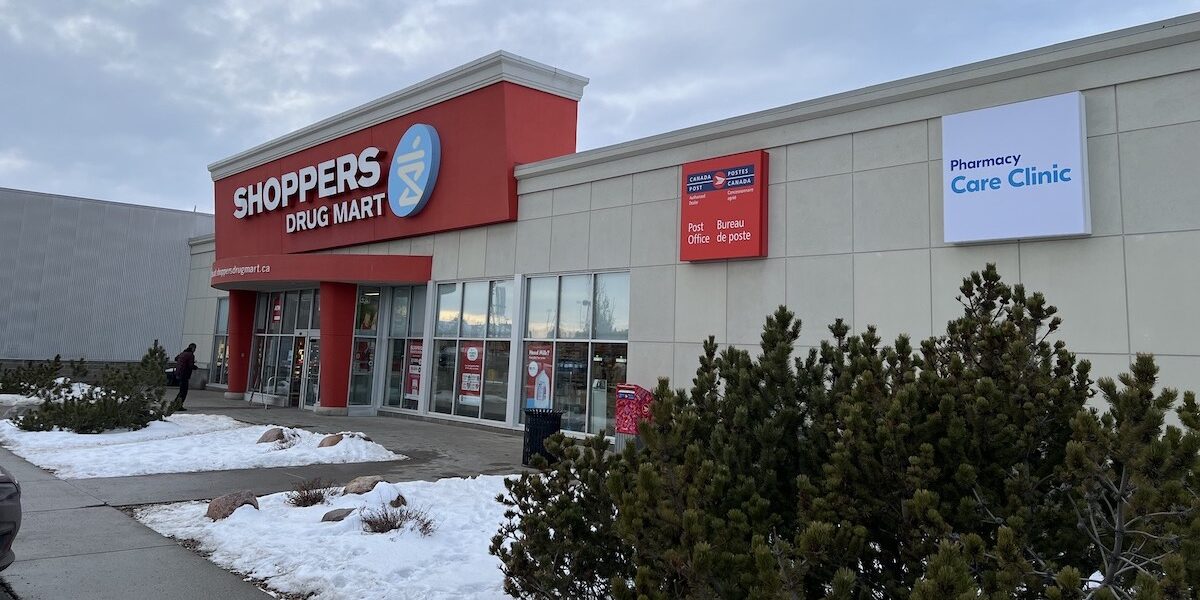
(337, 190)
(1016, 171)
(724, 208)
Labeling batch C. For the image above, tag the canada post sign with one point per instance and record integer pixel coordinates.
(724, 211)
(1016, 171)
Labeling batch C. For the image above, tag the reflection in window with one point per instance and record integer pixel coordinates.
(611, 306)
(448, 307)
(608, 371)
(366, 317)
(574, 307)
(445, 352)
(475, 309)
(362, 371)
(500, 310)
(416, 325)
(570, 383)
(541, 306)
(495, 381)
(399, 326)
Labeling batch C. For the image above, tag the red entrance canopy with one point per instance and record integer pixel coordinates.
(293, 270)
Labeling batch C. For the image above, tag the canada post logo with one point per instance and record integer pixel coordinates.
(414, 170)
(721, 179)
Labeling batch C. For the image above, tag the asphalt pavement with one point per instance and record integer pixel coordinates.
(75, 543)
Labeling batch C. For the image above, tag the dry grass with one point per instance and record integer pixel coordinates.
(310, 492)
(387, 518)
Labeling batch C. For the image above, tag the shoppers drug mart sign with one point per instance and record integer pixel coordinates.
(1016, 171)
(724, 210)
(340, 190)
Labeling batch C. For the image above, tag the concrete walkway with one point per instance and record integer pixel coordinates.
(75, 544)
(434, 451)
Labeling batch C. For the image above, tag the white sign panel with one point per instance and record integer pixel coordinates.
(1016, 171)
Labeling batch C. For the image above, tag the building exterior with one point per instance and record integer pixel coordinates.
(499, 269)
(91, 279)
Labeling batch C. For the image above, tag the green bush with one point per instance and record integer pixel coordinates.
(124, 398)
(968, 467)
(34, 376)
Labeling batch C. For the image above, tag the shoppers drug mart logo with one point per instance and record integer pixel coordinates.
(414, 170)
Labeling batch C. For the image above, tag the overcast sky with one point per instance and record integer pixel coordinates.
(130, 101)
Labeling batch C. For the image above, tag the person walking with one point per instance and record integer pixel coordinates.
(185, 363)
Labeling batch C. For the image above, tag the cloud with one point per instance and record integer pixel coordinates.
(13, 161)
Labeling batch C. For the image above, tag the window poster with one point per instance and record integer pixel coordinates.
(470, 372)
(412, 373)
(539, 371)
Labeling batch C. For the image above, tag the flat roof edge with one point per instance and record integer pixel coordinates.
(1159, 34)
(494, 68)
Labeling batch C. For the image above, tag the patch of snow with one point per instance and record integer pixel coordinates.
(1094, 581)
(294, 552)
(180, 444)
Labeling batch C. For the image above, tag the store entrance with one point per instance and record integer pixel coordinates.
(310, 368)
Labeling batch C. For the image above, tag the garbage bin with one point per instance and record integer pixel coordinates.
(540, 423)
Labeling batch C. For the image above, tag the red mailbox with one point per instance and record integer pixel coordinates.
(633, 405)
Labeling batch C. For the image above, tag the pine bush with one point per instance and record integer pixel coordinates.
(125, 398)
(967, 466)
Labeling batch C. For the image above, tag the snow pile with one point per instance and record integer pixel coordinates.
(75, 390)
(294, 552)
(180, 444)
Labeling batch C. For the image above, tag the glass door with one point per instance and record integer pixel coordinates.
(310, 384)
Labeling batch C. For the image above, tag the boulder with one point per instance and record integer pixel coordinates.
(274, 434)
(330, 440)
(337, 515)
(362, 485)
(224, 506)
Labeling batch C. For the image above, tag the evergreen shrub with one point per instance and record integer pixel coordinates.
(967, 466)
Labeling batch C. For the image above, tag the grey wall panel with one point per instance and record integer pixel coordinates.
(92, 279)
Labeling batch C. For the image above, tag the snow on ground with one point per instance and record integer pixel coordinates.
(8, 402)
(294, 552)
(180, 444)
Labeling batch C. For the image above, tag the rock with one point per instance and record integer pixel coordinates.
(399, 501)
(274, 434)
(337, 515)
(330, 440)
(224, 506)
(362, 485)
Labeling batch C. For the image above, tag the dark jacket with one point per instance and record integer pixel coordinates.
(185, 363)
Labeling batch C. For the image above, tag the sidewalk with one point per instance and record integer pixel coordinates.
(73, 546)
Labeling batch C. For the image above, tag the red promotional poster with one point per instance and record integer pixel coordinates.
(539, 374)
(276, 308)
(412, 379)
(470, 372)
(724, 210)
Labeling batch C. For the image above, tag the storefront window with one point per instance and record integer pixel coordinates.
(448, 310)
(611, 306)
(471, 378)
(445, 353)
(362, 359)
(366, 316)
(575, 354)
(500, 310)
(405, 347)
(475, 309)
(278, 354)
(495, 380)
(304, 312)
(291, 302)
(541, 307)
(218, 367)
(574, 307)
